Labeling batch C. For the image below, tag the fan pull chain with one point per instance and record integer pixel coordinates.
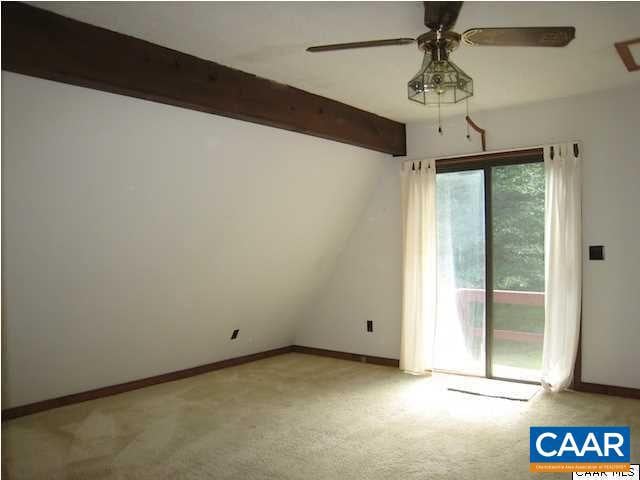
(439, 121)
(467, 123)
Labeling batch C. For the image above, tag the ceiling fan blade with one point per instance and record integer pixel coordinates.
(441, 14)
(370, 43)
(520, 36)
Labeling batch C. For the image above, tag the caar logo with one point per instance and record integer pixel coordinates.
(579, 449)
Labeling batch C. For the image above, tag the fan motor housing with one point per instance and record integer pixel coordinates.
(439, 45)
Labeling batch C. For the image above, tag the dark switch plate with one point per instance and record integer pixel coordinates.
(596, 252)
(369, 325)
(234, 335)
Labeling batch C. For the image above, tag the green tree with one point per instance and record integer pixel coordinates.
(518, 227)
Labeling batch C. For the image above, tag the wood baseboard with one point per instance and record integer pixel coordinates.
(607, 390)
(22, 410)
(31, 408)
(580, 386)
(388, 362)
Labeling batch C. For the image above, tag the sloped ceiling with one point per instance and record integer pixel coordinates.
(137, 236)
(269, 39)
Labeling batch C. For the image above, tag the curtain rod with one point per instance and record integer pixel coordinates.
(491, 152)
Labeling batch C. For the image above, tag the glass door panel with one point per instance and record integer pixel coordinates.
(460, 326)
(517, 252)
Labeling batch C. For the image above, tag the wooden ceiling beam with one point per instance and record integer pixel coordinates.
(43, 44)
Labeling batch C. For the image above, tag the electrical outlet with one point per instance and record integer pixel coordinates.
(235, 333)
(369, 325)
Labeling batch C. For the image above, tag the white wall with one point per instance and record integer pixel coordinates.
(366, 284)
(137, 236)
(608, 124)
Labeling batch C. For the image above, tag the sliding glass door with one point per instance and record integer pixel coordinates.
(490, 317)
(460, 334)
(517, 306)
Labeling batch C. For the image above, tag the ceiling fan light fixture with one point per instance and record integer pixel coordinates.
(439, 81)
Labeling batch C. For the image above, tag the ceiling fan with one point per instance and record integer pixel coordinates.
(440, 80)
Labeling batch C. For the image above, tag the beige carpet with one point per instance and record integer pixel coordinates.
(298, 416)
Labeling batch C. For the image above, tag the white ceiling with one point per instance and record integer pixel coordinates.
(269, 40)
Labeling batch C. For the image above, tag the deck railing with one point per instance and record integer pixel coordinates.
(467, 296)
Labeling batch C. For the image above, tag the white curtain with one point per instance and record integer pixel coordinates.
(419, 279)
(458, 338)
(563, 265)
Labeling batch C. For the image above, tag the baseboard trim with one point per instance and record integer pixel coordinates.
(31, 408)
(607, 390)
(355, 357)
(580, 386)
